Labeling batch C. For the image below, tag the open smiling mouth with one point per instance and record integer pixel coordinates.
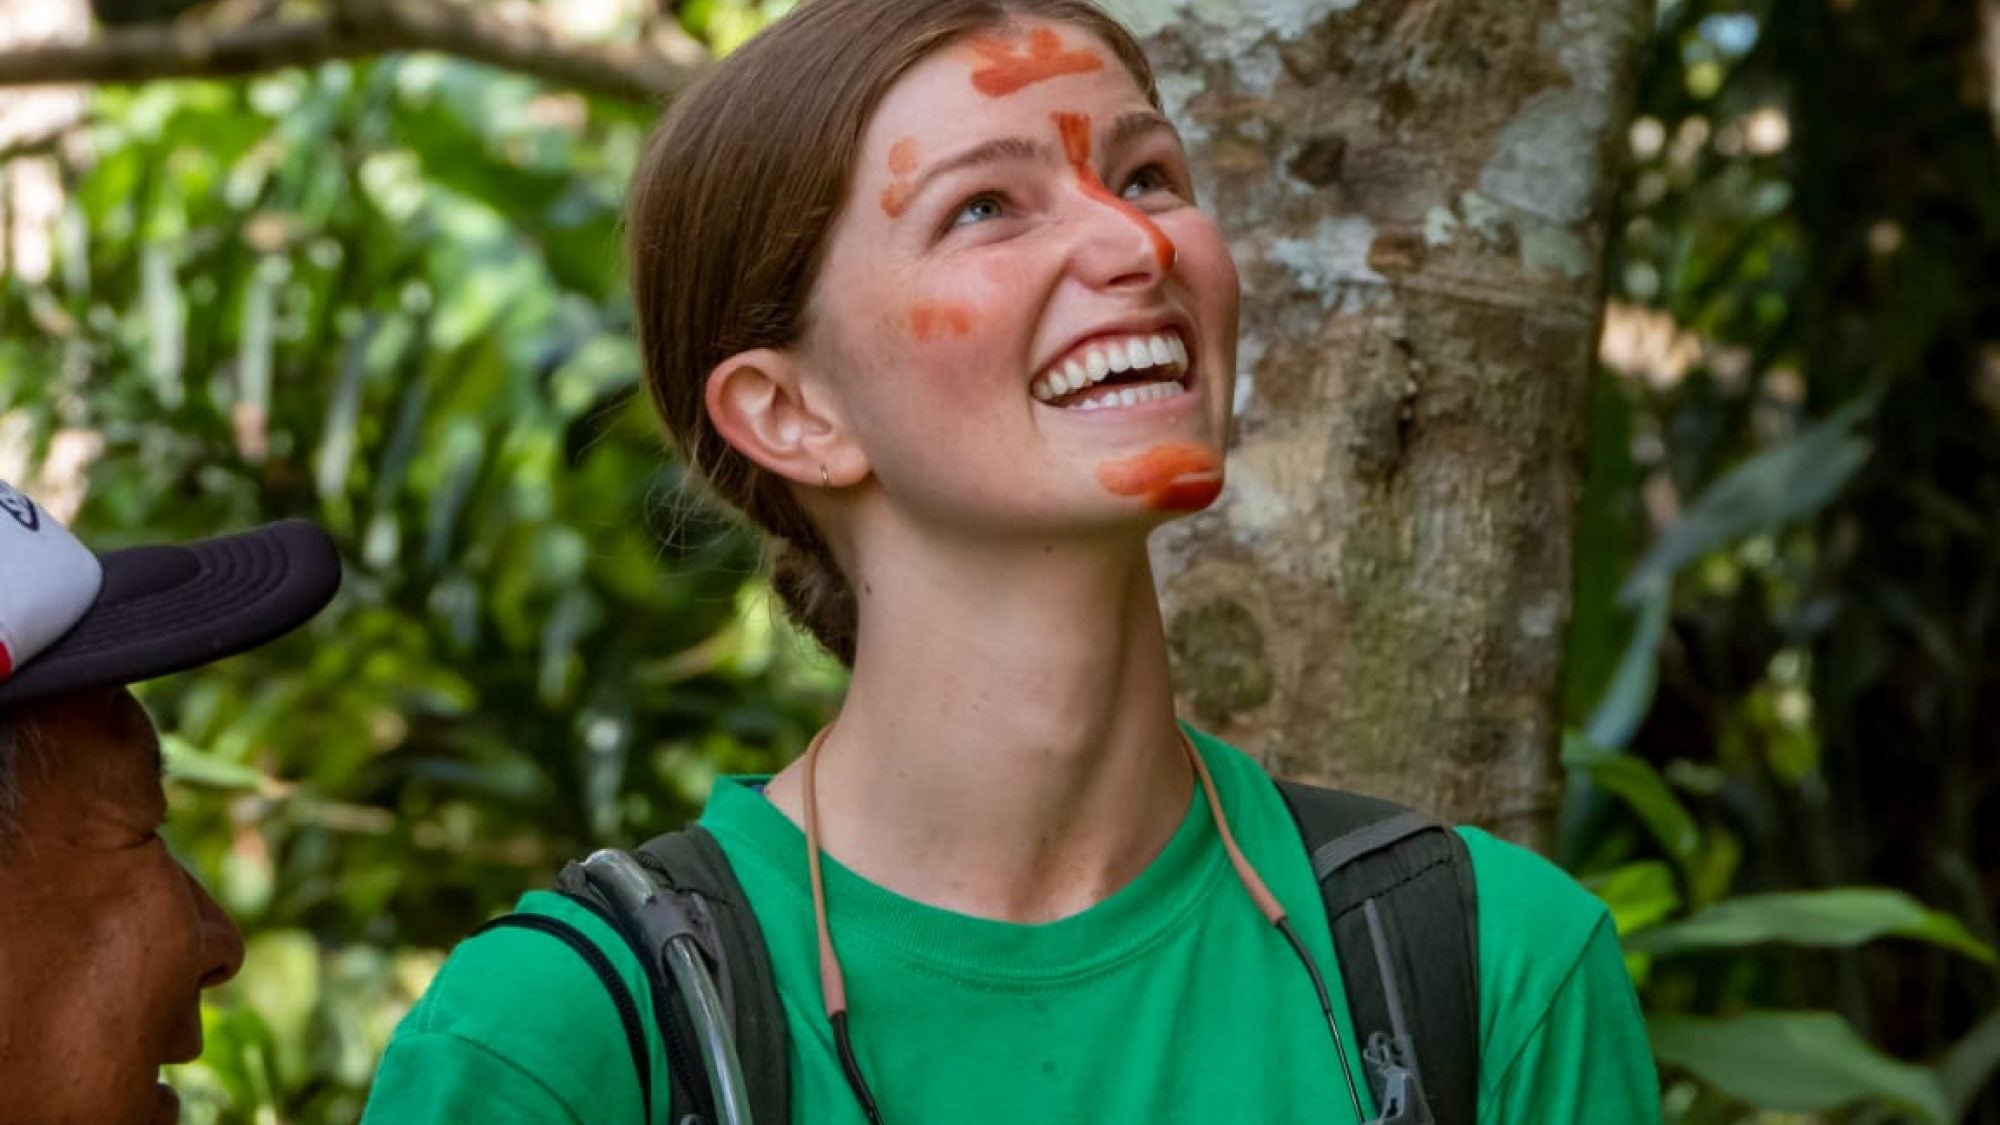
(1120, 370)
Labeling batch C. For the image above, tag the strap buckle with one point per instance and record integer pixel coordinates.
(1390, 1062)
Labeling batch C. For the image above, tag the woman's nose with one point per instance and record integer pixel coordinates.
(1119, 246)
(218, 942)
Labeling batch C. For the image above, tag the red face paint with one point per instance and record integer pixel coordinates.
(937, 321)
(1075, 130)
(1009, 67)
(1177, 477)
(902, 162)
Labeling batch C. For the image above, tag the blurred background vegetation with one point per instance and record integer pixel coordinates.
(386, 295)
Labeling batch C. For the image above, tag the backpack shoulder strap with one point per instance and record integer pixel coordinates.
(709, 905)
(614, 986)
(1401, 901)
(692, 861)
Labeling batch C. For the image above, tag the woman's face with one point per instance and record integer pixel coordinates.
(1026, 322)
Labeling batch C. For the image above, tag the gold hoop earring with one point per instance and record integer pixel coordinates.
(825, 481)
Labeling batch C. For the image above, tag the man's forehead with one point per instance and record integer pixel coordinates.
(103, 737)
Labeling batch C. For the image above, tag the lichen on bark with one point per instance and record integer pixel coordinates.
(1415, 195)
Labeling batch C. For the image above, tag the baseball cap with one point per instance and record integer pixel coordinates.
(72, 619)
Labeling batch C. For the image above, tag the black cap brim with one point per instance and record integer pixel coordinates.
(167, 609)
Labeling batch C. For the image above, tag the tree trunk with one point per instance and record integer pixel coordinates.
(1416, 192)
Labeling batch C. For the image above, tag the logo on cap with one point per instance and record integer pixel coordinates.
(19, 507)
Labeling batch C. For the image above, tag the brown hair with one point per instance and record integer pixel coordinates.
(731, 206)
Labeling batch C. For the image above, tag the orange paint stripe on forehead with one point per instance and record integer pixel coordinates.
(1009, 67)
(1075, 130)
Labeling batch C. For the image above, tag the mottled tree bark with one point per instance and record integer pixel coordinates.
(1416, 191)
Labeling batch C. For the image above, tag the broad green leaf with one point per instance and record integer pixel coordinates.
(1784, 483)
(1639, 894)
(1966, 1069)
(1641, 787)
(1837, 918)
(186, 763)
(1797, 1061)
(1630, 693)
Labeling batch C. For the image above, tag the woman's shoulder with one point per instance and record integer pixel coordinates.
(515, 1003)
(1527, 901)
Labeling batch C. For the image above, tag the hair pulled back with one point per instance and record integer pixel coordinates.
(731, 206)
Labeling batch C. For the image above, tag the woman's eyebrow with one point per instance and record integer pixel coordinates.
(991, 152)
(1136, 124)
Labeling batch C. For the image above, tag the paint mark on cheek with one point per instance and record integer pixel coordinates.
(1176, 477)
(1075, 131)
(902, 162)
(1008, 65)
(937, 320)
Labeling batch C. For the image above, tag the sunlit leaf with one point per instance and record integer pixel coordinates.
(1797, 1061)
(1835, 918)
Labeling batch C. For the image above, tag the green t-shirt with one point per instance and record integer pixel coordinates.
(1172, 1000)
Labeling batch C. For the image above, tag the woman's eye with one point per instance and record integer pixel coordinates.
(1146, 181)
(978, 209)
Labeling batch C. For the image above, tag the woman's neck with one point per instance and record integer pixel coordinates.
(1007, 748)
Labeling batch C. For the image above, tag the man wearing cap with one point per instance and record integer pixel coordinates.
(106, 941)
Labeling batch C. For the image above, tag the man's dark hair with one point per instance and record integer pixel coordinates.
(17, 742)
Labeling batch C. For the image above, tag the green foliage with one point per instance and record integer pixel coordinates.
(1782, 697)
(389, 297)
(1796, 1061)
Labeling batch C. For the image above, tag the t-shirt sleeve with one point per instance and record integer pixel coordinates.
(517, 1029)
(430, 1076)
(1563, 1041)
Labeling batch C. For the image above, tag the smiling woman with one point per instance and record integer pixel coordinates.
(923, 290)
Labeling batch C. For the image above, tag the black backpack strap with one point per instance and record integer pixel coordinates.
(693, 862)
(1403, 906)
(708, 903)
(614, 986)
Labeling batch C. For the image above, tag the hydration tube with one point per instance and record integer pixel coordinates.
(663, 927)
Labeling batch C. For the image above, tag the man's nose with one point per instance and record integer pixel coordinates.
(219, 942)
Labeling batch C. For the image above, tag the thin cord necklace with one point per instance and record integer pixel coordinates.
(833, 985)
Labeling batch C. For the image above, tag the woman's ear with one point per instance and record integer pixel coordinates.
(761, 405)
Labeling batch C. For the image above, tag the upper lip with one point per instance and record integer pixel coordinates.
(1137, 326)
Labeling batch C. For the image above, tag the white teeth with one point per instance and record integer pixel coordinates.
(1165, 350)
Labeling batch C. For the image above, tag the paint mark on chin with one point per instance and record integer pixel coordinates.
(1175, 477)
(1075, 131)
(1009, 66)
(934, 320)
